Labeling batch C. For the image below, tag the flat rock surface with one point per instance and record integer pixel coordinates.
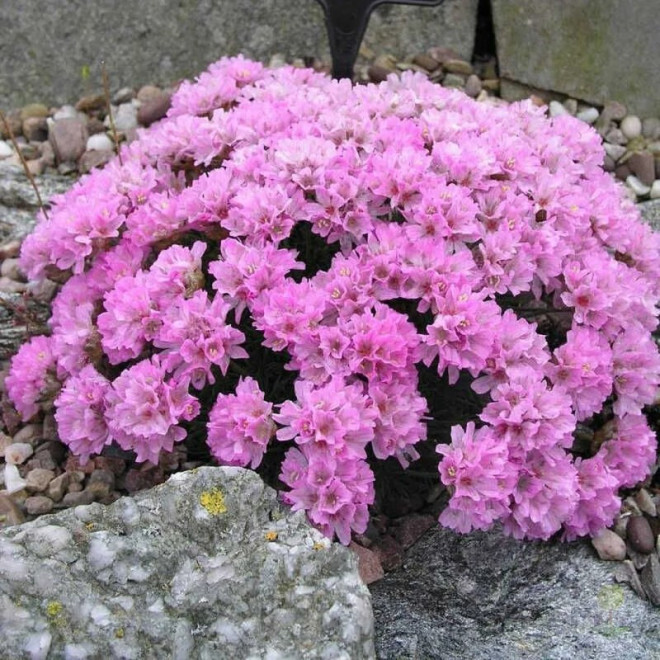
(651, 213)
(485, 596)
(594, 50)
(207, 565)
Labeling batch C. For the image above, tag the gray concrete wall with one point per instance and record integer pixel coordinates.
(51, 50)
(594, 50)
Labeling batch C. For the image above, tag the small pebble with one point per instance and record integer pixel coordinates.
(57, 487)
(13, 480)
(35, 129)
(453, 80)
(30, 433)
(615, 151)
(5, 150)
(124, 95)
(571, 106)
(100, 142)
(458, 66)
(124, 116)
(77, 498)
(557, 109)
(369, 566)
(637, 186)
(655, 190)
(91, 160)
(473, 86)
(33, 110)
(645, 502)
(615, 110)
(641, 164)
(378, 74)
(66, 112)
(37, 505)
(37, 480)
(18, 452)
(615, 136)
(10, 268)
(608, 164)
(10, 514)
(91, 102)
(631, 127)
(609, 546)
(651, 128)
(426, 61)
(640, 535)
(588, 115)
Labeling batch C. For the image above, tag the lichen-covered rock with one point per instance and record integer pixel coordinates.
(485, 596)
(206, 565)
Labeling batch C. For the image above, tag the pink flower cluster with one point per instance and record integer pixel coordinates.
(490, 224)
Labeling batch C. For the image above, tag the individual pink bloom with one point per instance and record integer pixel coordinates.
(597, 503)
(129, 320)
(630, 451)
(195, 336)
(240, 425)
(31, 376)
(144, 409)
(176, 272)
(476, 470)
(80, 413)
(583, 368)
(636, 366)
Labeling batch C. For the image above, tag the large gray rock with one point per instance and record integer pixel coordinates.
(651, 213)
(160, 41)
(594, 50)
(488, 597)
(207, 565)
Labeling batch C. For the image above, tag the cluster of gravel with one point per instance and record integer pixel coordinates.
(39, 476)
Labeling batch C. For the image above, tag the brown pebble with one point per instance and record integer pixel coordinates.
(10, 249)
(15, 124)
(442, 54)
(10, 514)
(641, 164)
(38, 505)
(57, 487)
(95, 126)
(609, 546)
(30, 433)
(473, 86)
(33, 110)
(98, 489)
(78, 498)
(377, 73)
(458, 66)
(92, 160)
(37, 480)
(622, 172)
(106, 477)
(148, 92)
(91, 102)
(140, 479)
(369, 566)
(426, 61)
(154, 109)
(35, 129)
(112, 463)
(640, 535)
(73, 464)
(74, 487)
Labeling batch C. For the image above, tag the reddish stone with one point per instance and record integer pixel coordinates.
(73, 465)
(111, 463)
(409, 529)
(389, 552)
(369, 565)
(140, 479)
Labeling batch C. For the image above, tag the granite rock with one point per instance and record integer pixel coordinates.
(485, 596)
(207, 565)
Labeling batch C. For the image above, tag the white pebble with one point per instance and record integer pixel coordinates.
(18, 452)
(124, 117)
(631, 126)
(655, 189)
(13, 480)
(588, 115)
(99, 142)
(65, 112)
(557, 109)
(637, 186)
(5, 149)
(614, 151)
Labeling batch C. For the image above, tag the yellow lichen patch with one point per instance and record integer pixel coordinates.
(271, 536)
(319, 545)
(213, 501)
(54, 609)
(90, 526)
(119, 633)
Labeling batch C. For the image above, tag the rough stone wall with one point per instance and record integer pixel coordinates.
(52, 51)
(594, 50)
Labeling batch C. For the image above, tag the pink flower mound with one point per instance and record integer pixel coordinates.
(354, 250)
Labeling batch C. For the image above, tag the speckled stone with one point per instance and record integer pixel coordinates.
(206, 565)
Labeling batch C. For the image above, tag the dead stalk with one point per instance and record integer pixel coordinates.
(113, 129)
(26, 169)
